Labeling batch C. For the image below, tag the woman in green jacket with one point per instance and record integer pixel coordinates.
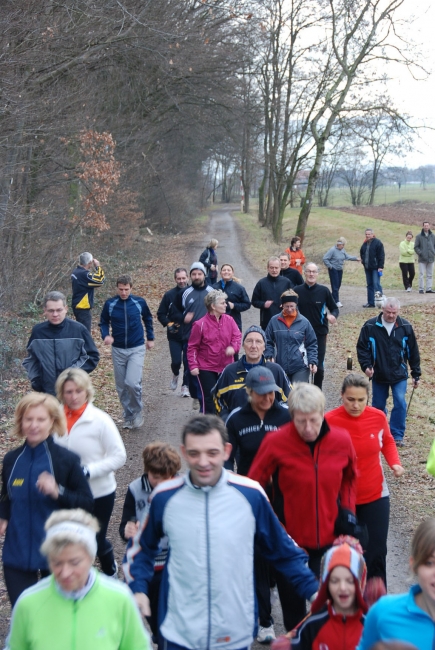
(76, 608)
(406, 260)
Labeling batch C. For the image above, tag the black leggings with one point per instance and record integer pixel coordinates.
(408, 273)
(17, 581)
(103, 507)
(376, 516)
(207, 380)
(293, 606)
(321, 351)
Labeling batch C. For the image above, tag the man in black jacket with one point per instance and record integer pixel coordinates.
(57, 344)
(315, 301)
(372, 256)
(292, 274)
(385, 347)
(169, 317)
(267, 292)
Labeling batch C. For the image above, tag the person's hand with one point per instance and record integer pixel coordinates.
(188, 317)
(108, 340)
(3, 526)
(398, 470)
(95, 262)
(150, 345)
(331, 319)
(298, 262)
(313, 368)
(369, 372)
(212, 267)
(379, 270)
(194, 372)
(131, 528)
(271, 359)
(46, 484)
(358, 259)
(230, 305)
(143, 602)
(230, 351)
(416, 382)
(268, 304)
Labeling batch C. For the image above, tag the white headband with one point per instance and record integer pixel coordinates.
(84, 534)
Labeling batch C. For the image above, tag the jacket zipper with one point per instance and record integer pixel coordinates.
(125, 318)
(74, 627)
(316, 465)
(207, 532)
(30, 502)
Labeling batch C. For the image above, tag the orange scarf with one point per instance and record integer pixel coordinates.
(73, 415)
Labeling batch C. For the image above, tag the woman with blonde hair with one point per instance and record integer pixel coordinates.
(213, 342)
(93, 435)
(76, 606)
(38, 478)
(210, 261)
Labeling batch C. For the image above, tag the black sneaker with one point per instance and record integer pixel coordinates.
(430, 291)
(421, 291)
(367, 305)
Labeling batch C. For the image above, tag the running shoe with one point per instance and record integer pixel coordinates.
(266, 634)
(138, 421)
(185, 391)
(128, 424)
(339, 304)
(195, 405)
(174, 382)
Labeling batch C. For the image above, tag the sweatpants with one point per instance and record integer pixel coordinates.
(128, 370)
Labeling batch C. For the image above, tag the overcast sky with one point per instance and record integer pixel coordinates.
(417, 98)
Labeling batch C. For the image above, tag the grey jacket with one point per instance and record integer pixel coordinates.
(294, 347)
(425, 247)
(335, 258)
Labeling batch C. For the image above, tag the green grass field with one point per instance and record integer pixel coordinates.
(387, 194)
(324, 226)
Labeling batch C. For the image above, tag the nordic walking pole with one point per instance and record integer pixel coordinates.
(410, 400)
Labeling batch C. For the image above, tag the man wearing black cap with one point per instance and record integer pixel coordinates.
(291, 340)
(230, 392)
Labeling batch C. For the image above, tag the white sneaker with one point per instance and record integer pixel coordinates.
(138, 421)
(339, 304)
(266, 634)
(185, 391)
(409, 289)
(174, 383)
(196, 405)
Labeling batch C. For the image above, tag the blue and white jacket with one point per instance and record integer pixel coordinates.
(207, 598)
(125, 317)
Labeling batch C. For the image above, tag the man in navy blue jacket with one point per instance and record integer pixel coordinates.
(125, 314)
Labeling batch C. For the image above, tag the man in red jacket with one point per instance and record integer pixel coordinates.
(316, 475)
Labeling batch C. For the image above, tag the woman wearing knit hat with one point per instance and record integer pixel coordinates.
(337, 615)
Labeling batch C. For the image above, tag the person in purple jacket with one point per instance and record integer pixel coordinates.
(214, 340)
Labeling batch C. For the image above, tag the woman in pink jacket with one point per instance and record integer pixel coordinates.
(213, 342)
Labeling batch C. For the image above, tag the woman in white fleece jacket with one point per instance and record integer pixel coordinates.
(93, 435)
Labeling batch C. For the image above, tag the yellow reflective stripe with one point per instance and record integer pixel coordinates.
(84, 303)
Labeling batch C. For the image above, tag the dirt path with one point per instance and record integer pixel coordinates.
(166, 412)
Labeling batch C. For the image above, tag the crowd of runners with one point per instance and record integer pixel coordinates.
(280, 499)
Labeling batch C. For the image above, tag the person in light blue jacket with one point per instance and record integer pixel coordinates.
(212, 518)
(408, 617)
(334, 259)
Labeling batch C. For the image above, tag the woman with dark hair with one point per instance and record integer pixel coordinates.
(297, 258)
(406, 260)
(237, 298)
(209, 259)
(213, 342)
(370, 433)
(38, 478)
(408, 617)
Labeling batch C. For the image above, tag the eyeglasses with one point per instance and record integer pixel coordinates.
(308, 272)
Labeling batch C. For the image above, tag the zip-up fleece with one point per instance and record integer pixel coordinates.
(237, 295)
(96, 440)
(208, 341)
(207, 598)
(328, 630)
(229, 391)
(388, 354)
(106, 618)
(191, 300)
(125, 317)
(335, 258)
(313, 484)
(167, 313)
(294, 348)
(27, 509)
(246, 432)
(53, 348)
(269, 288)
(313, 303)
